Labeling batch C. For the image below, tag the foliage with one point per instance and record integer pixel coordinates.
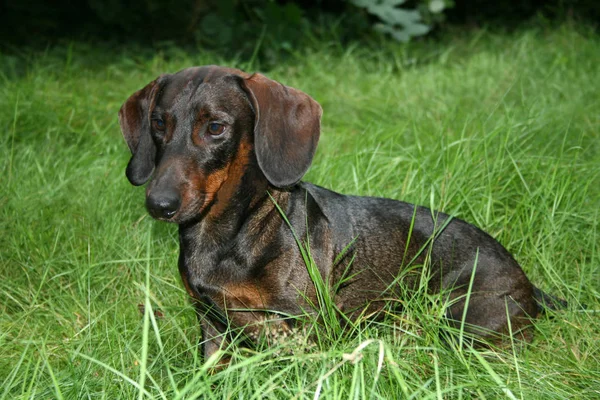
(253, 27)
(516, 12)
(403, 24)
(268, 30)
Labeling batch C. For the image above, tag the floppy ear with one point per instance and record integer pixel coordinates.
(135, 125)
(286, 129)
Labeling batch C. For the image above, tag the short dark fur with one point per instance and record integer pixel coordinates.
(239, 260)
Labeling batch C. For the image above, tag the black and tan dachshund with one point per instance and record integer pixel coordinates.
(224, 152)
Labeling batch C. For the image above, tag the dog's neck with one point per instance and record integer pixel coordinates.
(243, 214)
(226, 218)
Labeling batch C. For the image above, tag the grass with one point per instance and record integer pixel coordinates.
(501, 130)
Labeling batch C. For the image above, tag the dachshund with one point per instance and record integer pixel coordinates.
(224, 152)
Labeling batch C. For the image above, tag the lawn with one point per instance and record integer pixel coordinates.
(499, 129)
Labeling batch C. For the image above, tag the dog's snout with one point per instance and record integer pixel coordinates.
(163, 205)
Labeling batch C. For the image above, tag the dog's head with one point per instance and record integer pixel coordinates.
(194, 134)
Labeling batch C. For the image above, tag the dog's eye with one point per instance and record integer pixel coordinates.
(215, 129)
(158, 124)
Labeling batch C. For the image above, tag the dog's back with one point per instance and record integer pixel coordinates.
(391, 239)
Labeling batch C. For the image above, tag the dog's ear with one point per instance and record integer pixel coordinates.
(135, 124)
(286, 130)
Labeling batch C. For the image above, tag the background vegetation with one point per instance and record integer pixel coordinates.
(269, 29)
(497, 126)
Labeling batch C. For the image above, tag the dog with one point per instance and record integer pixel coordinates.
(224, 152)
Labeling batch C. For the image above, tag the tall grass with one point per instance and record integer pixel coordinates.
(501, 130)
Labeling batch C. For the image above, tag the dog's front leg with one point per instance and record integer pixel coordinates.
(213, 339)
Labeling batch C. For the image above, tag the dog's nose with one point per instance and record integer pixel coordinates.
(163, 204)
